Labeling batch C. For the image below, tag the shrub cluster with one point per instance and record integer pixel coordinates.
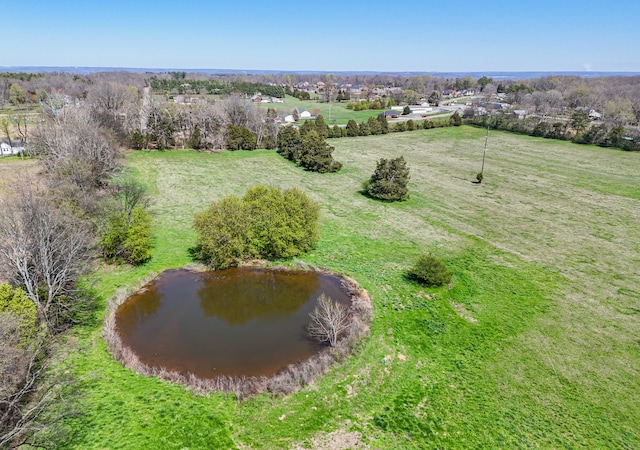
(308, 149)
(125, 232)
(264, 223)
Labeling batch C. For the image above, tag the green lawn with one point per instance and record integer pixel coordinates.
(337, 111)
(537, 343)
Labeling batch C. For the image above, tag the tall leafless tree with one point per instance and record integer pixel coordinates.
(44, 250)
(72, 148)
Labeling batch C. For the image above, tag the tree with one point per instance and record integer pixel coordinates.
(321, 127)
(240, 138)
(455, 119)
(317, 155)
(78, 158)
(484, 81)
(45, 250)
(329, 320)
(434, 98)
(364, 129)
(352, 128)
(406, 110)
(224, 233)
(264, 223)
(389, 181)
(374, 125)
(26, 394)
(290, 144)
(384, 125)
(16, 95)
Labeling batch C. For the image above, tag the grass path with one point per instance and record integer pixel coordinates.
(536, 345)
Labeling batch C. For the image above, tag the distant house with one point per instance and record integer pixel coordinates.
(595, 115)
(289, 119)
(389, 114)
(256, 98)
(520, 113)
(8, 150)
(304, 114)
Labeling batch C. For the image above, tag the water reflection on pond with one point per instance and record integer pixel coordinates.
(239, 321)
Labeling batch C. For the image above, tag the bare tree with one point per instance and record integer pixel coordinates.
(113, 106)
(236, 108)
(73, 149)
(45, 250)
(329, 320)
(25, 393)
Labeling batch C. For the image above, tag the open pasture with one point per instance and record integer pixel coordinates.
(535, 344)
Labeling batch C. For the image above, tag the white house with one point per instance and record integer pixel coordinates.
(7, 150)
(421, 109)
(304, 114)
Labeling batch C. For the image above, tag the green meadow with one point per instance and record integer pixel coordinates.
(535, 344)
(333, 113)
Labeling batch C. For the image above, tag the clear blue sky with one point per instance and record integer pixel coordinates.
(424, 35)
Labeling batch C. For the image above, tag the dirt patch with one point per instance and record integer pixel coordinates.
(463, 312)
(336, 440)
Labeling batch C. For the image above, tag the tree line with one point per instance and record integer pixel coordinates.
(55, 225)
(172, 86)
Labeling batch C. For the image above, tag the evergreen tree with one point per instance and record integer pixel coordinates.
(308, 125)
(389, 181)
(241, 138)
(195, 141)
(321, 127)
(384, 125)
(352, 128)
(374, 125)
(455, 119)
(290, 143)
(317, 155)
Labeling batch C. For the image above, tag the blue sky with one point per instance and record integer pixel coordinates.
(423, 36)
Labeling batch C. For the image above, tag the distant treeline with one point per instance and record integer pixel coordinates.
(603, 134)
(181, 86)
(22, 76)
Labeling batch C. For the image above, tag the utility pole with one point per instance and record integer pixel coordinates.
(480, 176)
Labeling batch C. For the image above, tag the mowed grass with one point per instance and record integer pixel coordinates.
(536, 344)
(334, 113)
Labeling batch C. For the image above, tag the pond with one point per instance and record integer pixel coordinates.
(242, 321)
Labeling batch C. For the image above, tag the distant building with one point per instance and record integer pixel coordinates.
(8, 150)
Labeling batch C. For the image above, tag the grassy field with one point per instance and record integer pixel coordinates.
(536, 344)
(337, 111)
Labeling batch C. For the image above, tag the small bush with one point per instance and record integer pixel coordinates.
(14, 301)
(431, 271)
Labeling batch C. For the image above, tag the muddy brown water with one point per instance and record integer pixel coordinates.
(239, 321)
